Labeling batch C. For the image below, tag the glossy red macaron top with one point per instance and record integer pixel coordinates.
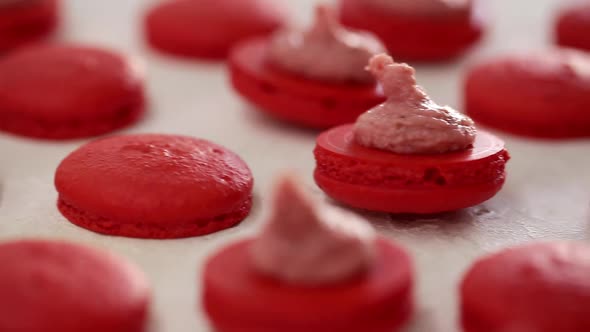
(154, 179)
(210, 28)
(540, 94)
(251, 56)
(556, 79)
(545, 284)
(340, 140)
(50, 286)
(67, 82)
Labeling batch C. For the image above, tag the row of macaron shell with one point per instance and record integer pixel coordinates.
(200, 28)
(545, 283)
(114, 86)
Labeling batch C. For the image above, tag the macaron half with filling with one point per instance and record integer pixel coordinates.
(313, 268)
(409, 155)
(311, 78)
(154, 186)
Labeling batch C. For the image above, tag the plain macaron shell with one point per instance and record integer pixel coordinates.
(64, 92)
(154, 186)
(416, 38)
(539, 287)
(518, 95)
(572, 27)
(209, 29)
(27, 22)
(49, 286)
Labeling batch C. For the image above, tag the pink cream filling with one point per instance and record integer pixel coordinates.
(409, 122)
(308, 242)
(327, 51)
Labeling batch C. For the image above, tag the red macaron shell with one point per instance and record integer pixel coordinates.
(50, 286)
(64, 92)
(383, 181)
(208, 29)
(154, 186)
(238, 298)
(510, 95)
(540, 287)
(416, 38)
(26, 22)
(572, 27)
(301, 101)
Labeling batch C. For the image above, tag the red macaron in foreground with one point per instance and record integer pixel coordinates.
(239, 299)
(409, 154)
(382, 181)
(540, 287)
(312, 267)
(154, 186)
(51, 286)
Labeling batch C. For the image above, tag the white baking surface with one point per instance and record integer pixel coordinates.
(546, 196)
